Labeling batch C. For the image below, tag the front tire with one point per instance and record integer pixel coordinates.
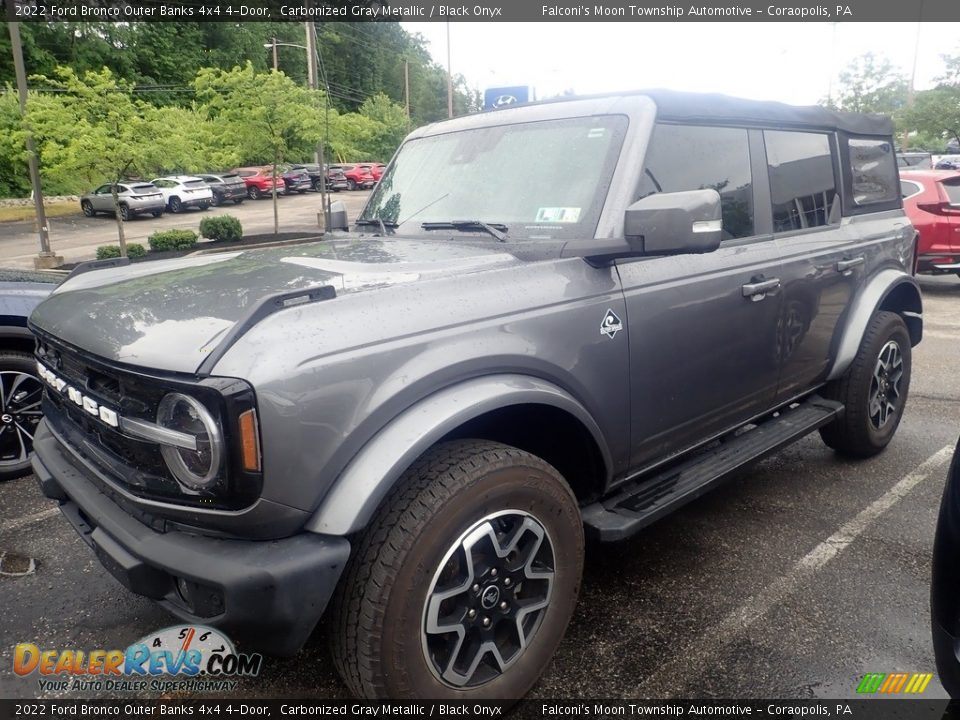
(873, 390)
(175, 205)
(19, 412)
(464, 582)
(253, 192)
(87, 208)
(351, 184)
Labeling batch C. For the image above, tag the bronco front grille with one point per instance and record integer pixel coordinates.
(132, 464)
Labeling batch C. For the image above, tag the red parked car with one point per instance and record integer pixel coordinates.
(358, 176)
(931, 199)
(377, 171)
(259, 182)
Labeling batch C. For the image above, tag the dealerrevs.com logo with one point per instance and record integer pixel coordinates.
(182, 657)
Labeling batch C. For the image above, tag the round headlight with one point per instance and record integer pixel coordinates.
(197, 469)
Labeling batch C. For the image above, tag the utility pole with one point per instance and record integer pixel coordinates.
(276, 64)
(312, 73)
(449, 79)
(406, 87)
(45, 259)
(913, 77)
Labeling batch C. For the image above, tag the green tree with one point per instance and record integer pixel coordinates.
(266, 115)
(871, 84)
(13, 163)
(935, 114)
(91, 129)
(390, 126)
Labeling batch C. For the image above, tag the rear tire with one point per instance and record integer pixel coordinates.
(466, 510)
(216, 200)
(157, 213)
(125, 214)
(873, 390)
(237, 201)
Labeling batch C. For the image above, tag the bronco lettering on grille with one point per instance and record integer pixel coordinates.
(94, 408)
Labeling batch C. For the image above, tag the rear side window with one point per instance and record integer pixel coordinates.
(952, 188)
(803, 188)
(873, 171)
(909, 189)
(693, 157)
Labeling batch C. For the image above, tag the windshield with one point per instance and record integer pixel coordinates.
(542, 180)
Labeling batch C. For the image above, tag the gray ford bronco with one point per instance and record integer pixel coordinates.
(563, 318)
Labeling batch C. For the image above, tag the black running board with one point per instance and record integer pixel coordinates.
(644, 501)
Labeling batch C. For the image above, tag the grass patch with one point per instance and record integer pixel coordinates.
(17, 214)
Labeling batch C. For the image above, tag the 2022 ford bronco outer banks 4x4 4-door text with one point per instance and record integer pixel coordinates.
(415, 423)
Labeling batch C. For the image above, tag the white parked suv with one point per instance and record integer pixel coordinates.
(183, 191)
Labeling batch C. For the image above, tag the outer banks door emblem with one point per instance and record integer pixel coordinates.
(611, 324)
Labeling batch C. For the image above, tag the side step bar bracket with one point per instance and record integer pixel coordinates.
(642, 502)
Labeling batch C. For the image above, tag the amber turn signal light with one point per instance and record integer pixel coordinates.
(249, 441)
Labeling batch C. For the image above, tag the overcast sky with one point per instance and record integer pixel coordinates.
(791, 62)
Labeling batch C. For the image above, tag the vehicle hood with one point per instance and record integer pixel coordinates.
(18, 299)
(171, 314)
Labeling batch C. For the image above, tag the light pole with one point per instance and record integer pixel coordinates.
(449, 78)
(311, 49)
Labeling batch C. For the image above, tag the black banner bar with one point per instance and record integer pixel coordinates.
(875, 709)
(640, 11)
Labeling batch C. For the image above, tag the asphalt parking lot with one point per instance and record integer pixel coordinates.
(76, 237)
(791, 581)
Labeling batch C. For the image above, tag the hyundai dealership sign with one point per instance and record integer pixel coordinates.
(501, 97)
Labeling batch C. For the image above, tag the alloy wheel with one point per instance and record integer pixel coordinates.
(20, 413)
(488, 599)
(884, 395)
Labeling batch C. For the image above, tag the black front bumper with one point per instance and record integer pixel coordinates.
(266, 593)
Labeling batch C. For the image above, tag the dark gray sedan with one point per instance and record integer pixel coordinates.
(132, 198)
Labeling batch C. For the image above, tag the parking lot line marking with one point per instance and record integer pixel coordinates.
(28, 519)
(738, 620)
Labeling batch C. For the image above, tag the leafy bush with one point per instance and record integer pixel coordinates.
(105, 252)
(134, 250)
(221, 227)
(172, 240)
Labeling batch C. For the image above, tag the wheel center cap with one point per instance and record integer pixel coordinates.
(490, 597)
(6, 418)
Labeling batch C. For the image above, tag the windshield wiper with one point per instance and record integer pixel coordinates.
(378, 222)
(497, 230)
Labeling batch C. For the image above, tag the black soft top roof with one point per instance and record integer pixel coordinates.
(710, 107)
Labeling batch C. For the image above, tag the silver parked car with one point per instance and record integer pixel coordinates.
(132, 198)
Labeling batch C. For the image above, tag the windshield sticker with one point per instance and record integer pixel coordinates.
(558, 215)
(596, 132)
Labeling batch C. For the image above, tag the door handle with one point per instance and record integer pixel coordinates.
(758, 289)
(845, 267)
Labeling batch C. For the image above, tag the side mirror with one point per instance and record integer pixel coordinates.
(678, 222)
(338, 216)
